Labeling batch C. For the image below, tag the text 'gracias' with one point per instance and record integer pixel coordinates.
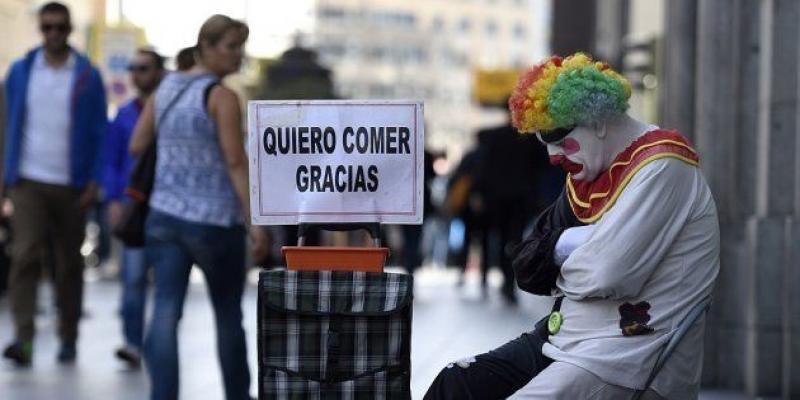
(322, 140)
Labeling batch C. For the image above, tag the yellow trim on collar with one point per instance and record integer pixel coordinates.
(621, 186)
(633, 155)
(621, 163)
(573, 196)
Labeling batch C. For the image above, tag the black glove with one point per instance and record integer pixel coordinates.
(540, 329)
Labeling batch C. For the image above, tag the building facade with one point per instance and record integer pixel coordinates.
(19, 26)
(429, 50)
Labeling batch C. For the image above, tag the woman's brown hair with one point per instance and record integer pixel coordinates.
(217, 26)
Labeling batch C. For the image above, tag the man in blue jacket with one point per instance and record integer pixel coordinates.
(147, 69)
(56, 120)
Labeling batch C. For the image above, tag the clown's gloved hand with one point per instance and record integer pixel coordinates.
(569, 240)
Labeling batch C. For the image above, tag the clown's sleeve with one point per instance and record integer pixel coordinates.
(632, 238)
(534, 263)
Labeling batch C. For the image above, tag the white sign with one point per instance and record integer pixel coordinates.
(334, 161)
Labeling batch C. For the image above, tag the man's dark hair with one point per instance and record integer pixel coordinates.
(159, 60)
(54, 7)
(185, 59)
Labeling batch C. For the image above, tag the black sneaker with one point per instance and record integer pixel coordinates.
(20, 353)
(130, 356)
(67, 353)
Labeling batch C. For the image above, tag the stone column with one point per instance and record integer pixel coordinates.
(572, 26)
(612, 26)
(775, 201)
(746, 126)
(715, 135)
(791, 343)
(778, 107)
(677, 83)
(715, 108)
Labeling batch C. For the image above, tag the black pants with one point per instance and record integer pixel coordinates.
(494, 375)
(506, 218)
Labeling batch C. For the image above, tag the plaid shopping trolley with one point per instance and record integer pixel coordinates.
(334, 335)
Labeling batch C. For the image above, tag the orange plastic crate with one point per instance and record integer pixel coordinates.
(329, 258)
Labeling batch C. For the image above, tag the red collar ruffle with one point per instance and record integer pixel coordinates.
(590, 200)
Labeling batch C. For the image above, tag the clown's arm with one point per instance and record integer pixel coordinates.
(632, 238)
(535, 263)
(570, 240)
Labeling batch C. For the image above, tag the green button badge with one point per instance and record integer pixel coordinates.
(554, 322)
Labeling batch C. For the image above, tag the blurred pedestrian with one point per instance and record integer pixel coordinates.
(198, 205)
(185, 59)
(467, 222)
(146, 69)
(505, 183)
(412, 234)
(56, 119)
(5, 260)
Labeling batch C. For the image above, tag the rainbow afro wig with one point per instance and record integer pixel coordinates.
(559, 93)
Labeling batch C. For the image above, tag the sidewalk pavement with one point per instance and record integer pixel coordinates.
(449, 323)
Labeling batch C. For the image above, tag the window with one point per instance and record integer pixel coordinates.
(376, 53)
(491, 28)
(454, 57)
(393, 19)
(438, 24)
(519, 31)
(331, 12)
(465, 25)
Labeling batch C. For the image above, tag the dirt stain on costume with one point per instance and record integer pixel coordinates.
(634, 318)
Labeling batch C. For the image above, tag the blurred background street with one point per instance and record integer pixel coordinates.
(450, 322)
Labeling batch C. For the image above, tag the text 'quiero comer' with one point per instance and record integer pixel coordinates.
(371, 140)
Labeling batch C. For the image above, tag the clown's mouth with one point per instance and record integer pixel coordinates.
(565, 163)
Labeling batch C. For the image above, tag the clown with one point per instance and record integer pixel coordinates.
(627, 249)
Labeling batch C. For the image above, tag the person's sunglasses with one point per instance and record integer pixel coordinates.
(60, 28)
(556, 135)
(139, 68)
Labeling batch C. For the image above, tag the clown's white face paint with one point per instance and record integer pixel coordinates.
(581, 152)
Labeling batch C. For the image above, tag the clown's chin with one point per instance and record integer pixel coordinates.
(572, 168)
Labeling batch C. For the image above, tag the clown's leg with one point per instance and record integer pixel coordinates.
(563, 381)
(493, 375)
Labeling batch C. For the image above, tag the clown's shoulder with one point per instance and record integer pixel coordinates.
(658, 161)
(663, 212)
(589, 201)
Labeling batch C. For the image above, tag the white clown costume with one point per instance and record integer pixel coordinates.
(651, 254)
(628, 249)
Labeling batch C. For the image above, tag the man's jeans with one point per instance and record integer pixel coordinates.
(172, 246)
(134, 295)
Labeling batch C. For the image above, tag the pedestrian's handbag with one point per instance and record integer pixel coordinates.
(458, 195)
(334, 335)
(130, 229)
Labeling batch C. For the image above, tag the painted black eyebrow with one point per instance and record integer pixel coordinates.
(555, 135)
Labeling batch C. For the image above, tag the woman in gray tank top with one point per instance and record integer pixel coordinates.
(198, 205)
